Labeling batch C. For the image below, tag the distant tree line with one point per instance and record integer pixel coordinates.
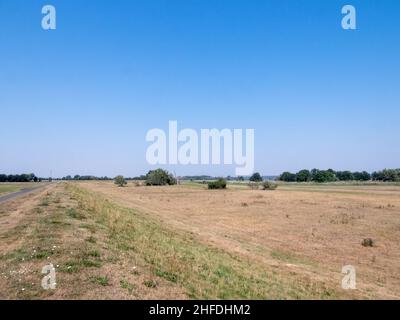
(25, 177)
(320, 176)
(386, 175)
(78, 177)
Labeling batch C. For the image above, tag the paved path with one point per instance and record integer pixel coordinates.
(20, 193)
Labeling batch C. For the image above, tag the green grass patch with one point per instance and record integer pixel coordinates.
(103, 281)
(124, 284)
(75, 214)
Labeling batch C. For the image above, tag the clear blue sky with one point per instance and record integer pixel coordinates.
(80, 99)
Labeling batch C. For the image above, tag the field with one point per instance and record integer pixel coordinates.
(6, 188)
(188, 242)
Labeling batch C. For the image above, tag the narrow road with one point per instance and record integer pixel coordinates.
(20, 193)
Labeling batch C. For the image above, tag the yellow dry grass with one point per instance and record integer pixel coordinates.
(301, 231)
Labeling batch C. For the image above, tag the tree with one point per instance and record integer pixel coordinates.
(240, 178)
(160, 177)
(322, 176)
(303, 176)
(345, 176)
(120, 181)
(361, 176)
(287, 177)
(256, 177)
(389, 175)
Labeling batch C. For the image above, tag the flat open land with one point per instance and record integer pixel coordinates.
(188, 242)
(6, 188)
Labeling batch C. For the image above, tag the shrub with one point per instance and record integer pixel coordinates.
(218, 184)
(268, 185)
(159, 177)
(120, 181)
(368, 242)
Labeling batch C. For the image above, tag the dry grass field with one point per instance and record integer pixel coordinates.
(188, 242)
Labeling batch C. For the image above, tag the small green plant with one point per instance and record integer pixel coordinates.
(94, 253)
(126, 285)
(167, 275)
(103, 281)
(150, 283)
(120, 181)
(367, 242)
(218, 184)
(73, 213)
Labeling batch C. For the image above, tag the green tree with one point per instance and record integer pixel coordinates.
(345, 176)
(160, 177)
(322, 176)
(361, 176)
(256, 177)
(120, 181)
(303, 176)
(287, 177)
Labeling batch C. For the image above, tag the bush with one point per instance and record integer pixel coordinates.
(159, 177)
(120, 181)
(268, 185)
(368, 242)
(218, 184)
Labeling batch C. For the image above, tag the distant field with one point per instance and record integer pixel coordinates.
(14, 187)
(189, 242)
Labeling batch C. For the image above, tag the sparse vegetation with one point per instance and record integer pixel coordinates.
(268, 185)
(367, 242)
(218, 184)
(101, 280)
(236, 263)
(253, 185)
(120, 181)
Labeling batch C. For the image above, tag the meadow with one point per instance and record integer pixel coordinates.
(6, 188)
(187, 242)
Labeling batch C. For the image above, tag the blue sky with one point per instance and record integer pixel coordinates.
(80, 99)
